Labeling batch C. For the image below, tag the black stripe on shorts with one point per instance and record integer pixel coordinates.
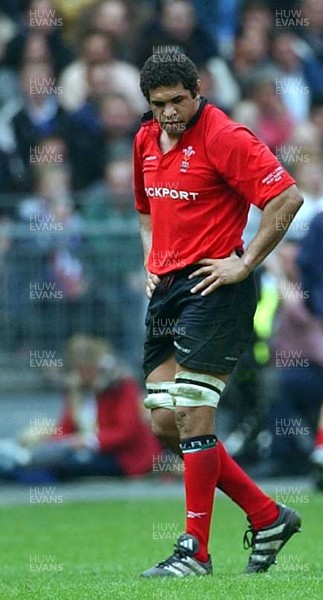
(201, 383)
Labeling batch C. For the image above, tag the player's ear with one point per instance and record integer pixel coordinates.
(198, 89)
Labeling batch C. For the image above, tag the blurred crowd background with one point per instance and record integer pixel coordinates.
(70, 254)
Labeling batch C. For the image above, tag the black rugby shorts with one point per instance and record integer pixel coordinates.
(206, 333)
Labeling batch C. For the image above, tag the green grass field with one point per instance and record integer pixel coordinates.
(94, 551)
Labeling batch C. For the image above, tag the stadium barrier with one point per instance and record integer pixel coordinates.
(59, 278)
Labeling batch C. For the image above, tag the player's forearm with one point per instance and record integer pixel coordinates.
(145, 232)
(277, 217)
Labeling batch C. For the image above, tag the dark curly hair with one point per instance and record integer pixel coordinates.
(168, 69)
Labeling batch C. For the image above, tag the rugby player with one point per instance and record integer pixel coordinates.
(196, 173)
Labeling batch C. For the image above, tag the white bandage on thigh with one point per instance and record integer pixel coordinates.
(158, 396)
(196, 389)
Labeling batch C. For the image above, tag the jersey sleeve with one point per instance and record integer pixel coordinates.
(141, 201)
(247, 164)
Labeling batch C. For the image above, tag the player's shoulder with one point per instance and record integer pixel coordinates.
(215, 118)
(222, 127)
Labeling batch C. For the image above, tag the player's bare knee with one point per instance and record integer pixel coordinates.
(162, 423)
(195, 396)
(181, 417)
(195, 421)
(158, 430)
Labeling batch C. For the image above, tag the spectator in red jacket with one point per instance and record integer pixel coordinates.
(102, 412)
(102, 430)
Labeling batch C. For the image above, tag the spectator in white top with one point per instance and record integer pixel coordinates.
(97, 49)
(291, 81)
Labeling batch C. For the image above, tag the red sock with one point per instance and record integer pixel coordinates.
(319, 438)
(202, 468)
(233, 481)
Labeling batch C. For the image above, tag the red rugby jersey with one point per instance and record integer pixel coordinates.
(198, 194)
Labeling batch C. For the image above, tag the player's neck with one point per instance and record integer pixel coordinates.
(168, 142)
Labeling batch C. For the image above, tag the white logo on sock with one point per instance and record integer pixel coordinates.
(195, 515)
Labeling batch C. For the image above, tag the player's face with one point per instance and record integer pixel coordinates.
(173, 107)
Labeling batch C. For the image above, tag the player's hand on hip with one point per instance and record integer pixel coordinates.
(151, 283)
(217, 272)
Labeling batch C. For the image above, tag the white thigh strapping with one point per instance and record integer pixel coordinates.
(158, 396)
(196, 389)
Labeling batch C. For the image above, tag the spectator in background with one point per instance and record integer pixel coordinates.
(119, 123)
(218, 84)
(312, 34)
(116, 18)
(93, 49)
(290, 73)
(297, 358)
(36, 48)
(219, 20)
(103, 118)
(12, 8)
(317, 454)
(70, 12)
(309, 176)
(246, 112)
(273, 124)
(264, 113)
(5, 243)
(176, 27)
(209, 84)
(250, 54)
(9, 103)
(256, 16)
(52, 149)
(116, 270)
(37, 19)
(111, 198)
(96, 50)
(101, 431)
(40, 114)
(223, 19)
(310, 262)
(85, 137)
(316, 119)
(303, 157)
(8, 77)
(5, 179)
(48, 256)
(276, 5)
(306, 138)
